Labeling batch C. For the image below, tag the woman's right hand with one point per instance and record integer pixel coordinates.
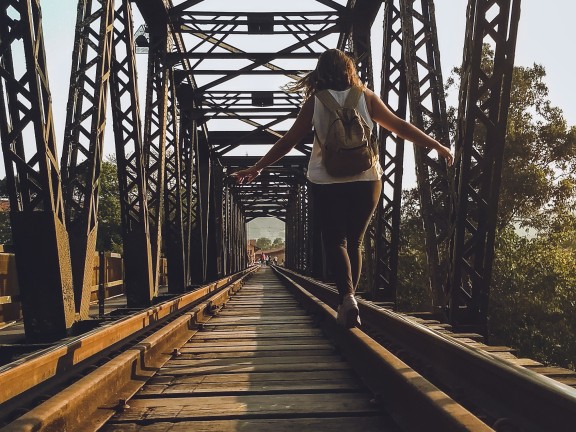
(447, 154)
(246, 175)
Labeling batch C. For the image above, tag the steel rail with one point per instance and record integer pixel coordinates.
(409, 398)
(504, 391)
(29, 372)
(88, 403)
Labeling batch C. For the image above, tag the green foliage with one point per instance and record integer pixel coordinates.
(534, 295)
(412, 271)
(264, 243)
(533, 291)
(5, 228)
(109, 228)
(278, 242)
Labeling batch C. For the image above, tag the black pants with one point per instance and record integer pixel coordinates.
(345, 212)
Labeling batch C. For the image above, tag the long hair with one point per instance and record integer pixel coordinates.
(335, 71)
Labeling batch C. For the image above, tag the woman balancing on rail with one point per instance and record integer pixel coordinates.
(344, 169)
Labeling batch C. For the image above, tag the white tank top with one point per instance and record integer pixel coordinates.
(316, 170)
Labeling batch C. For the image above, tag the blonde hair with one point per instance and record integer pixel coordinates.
(334, 70)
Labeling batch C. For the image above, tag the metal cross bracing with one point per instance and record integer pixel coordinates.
(129, 144)
(482, 120)
(84, 139)
(213, 96)
(32, 173)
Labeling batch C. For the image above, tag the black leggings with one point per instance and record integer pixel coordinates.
(345, 212)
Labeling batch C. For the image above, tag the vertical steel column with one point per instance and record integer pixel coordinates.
(84, 139)
(307, 217)
(301, 229)
(138, 282)
(482, 119)
(188, 137)
(201, 202)
(214, 228)
(227, 229)
(428, 112)
(32, 174)
(155, 140)
(242, 241)
(318, 265)
(395, 94)
(290, 242)
(216, 244)
(173, 223)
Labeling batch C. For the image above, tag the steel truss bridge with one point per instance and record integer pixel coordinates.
(212, 95)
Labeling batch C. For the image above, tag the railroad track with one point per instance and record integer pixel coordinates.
(488, 381)
(430, 385)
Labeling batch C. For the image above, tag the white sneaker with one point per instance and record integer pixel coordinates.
(348, 313)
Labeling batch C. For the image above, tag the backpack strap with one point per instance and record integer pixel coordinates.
(328, 100)
(353, 97)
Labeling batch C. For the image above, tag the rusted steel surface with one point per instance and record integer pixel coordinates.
(33, 181)
(129, 148)
(427, 104)
(497, 386)
(397, 386)
(482, 122)
(25, 374)
(260, 362)
(84, 139)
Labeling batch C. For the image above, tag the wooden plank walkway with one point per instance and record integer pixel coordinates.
(259, 365)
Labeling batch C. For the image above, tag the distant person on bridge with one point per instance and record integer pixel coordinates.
(346, 199)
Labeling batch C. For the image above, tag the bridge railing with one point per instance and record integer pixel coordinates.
(107, 281)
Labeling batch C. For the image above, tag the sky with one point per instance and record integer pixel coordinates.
(544, 34)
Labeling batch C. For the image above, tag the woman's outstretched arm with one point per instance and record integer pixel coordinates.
(382, 115)
(302, 125)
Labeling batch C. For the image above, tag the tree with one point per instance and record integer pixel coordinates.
(264, 243)
(109, 228)
(540, 152)
(278, 242)
(533, 291)
(5, 228)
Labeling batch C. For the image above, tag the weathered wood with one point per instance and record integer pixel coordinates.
(223, 407)
(364, 424)
(257, 366)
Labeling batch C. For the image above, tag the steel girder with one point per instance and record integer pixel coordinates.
(428, 112)
(155, 126)
(394, 93)
(188, 138)
(32, 175)
(83, 139)
(138, 282)
(199, 224)
(173, 200)
(298, 231)
(482, 118)
(410, 46)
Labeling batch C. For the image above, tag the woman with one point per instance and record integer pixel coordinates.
(346, 204)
